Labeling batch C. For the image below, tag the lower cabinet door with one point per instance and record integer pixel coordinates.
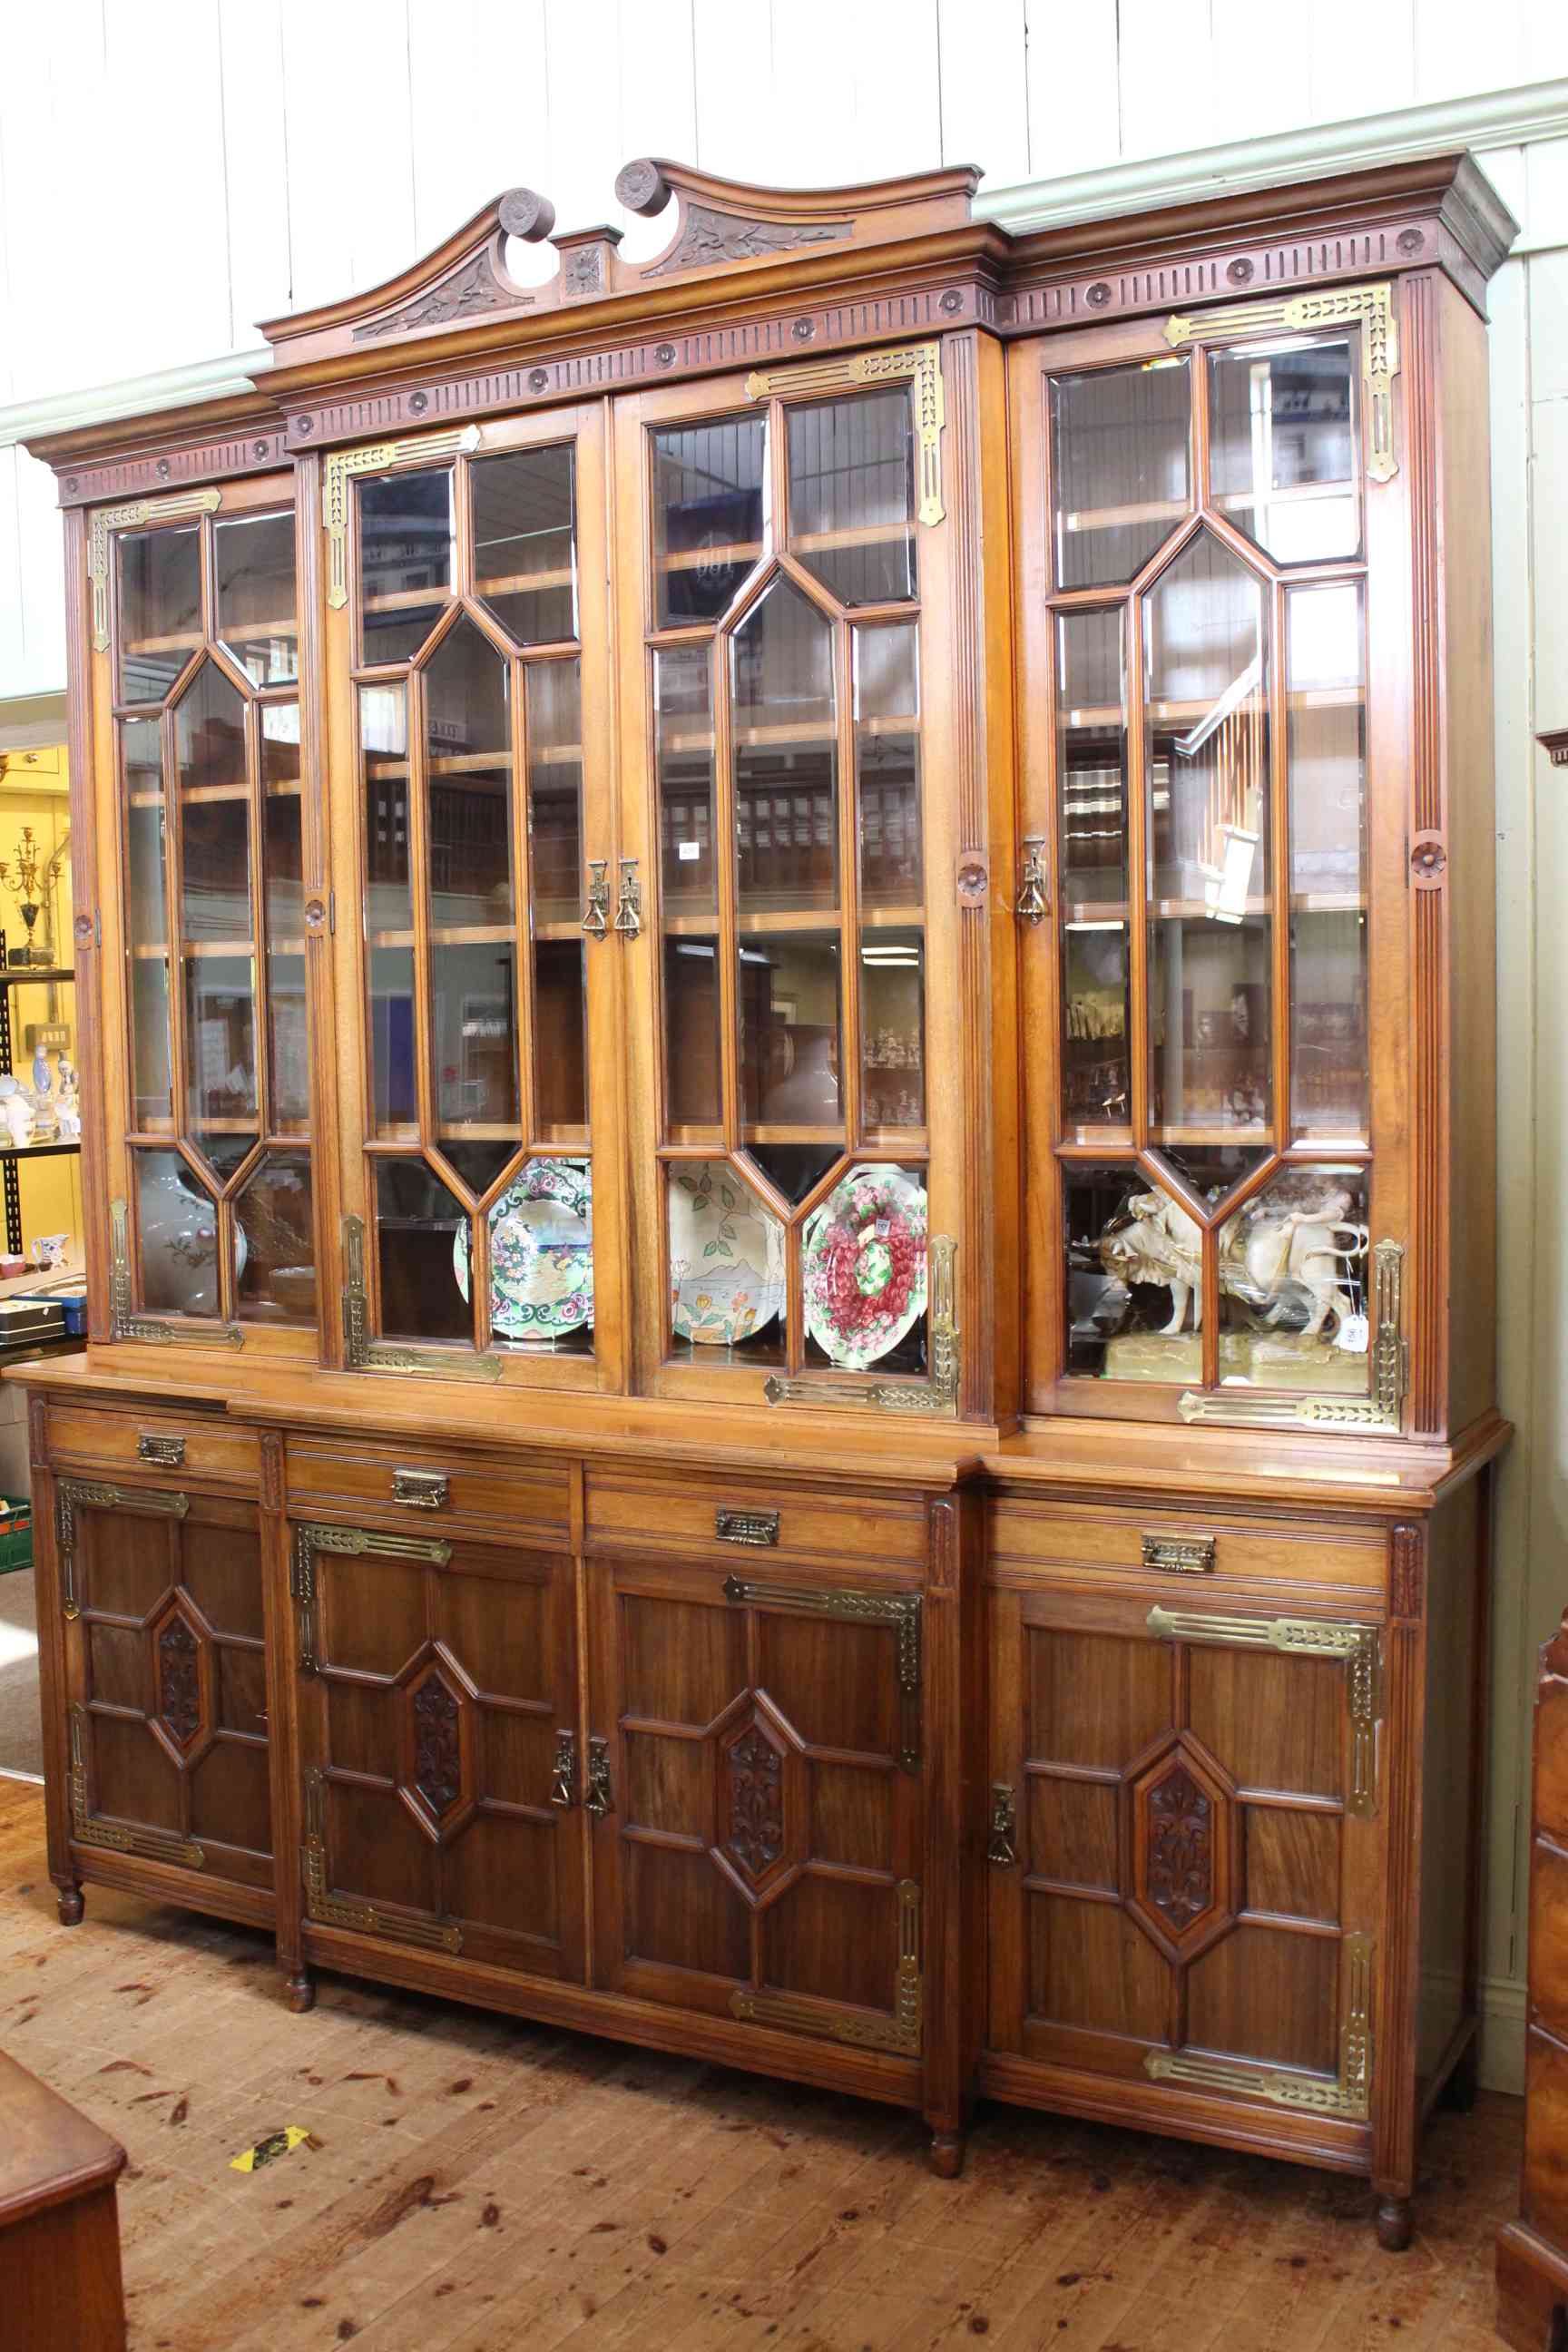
(438, 1735)
(1183, 1847)
(756, 1751)
(165, 1675)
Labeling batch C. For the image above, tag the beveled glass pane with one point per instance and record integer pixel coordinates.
(473, 988)
(555, 791)
(525, 549)
(561, 1042)
(789, 1008)
(1121, 468)
(283, 909)
(887, 765)
(1092, 770)
(727, 1286)
(395, 1095)
(1134, 1286)
(683, 717)
(468, 734)
(214, 809)
(708, 509)
(406, 531)
(383, 749)
(1294, 1310)
(146, 919)
(1282, 454)
(256, 603)
(160, 609)
(1210, 914)
(177, 1230)
(1325, 677)
(275, 1277)
(694, 1093)
(852, 495)
(786, 759)
(418, 1221)
(892, 1029)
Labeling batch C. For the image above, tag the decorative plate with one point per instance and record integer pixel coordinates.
(726, 1256)
(541, 1252)
(863, 1265)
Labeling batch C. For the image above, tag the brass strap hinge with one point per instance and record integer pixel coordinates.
(915, 363)
(130, 518)
(332, 1911)
(1348, 2094)
(311, 1537)
(124, 1323)
(72, 1494)
(902, 2033)
(378, 457)
(365, 1354)
(902, 1610)
(1359, 1648)
(1370, 308)
(937, 1394)
(116, 1837)
(1383, 1408)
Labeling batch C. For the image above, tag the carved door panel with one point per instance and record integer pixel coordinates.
(757, 1747)
(438, 1744)
(1184, 1847)
(166, 1677)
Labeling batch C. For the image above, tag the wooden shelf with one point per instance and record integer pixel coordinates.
(23, 975)
(37, 1151)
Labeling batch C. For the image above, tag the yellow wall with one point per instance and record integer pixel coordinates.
(34, 786)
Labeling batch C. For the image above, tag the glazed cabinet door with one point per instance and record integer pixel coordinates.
(784, 643)
(1213, 618)
(438, 1746)
(166, 1703)
(469, 714)
(209, 847)
(1184, 1849)
(755, 1766)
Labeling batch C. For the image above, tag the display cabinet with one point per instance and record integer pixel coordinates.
(785, 957)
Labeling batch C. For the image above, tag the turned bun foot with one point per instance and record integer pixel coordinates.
(946, 2154)
(301, 1993)
(1395, 2221)
(69, 1903)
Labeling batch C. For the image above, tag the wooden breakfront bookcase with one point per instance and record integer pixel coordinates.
(786, 960)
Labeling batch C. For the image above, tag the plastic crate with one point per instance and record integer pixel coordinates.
(16, 1532)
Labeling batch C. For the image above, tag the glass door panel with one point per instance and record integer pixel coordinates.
(205, 661)
(1202, 767)
(480, 1178)
(784, 681)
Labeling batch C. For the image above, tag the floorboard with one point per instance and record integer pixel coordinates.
(472, 2184)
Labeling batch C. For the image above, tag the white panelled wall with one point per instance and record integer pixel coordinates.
(173, 171)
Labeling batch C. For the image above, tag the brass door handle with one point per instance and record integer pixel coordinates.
(596, 920)
(600, 1799)
(1004, 1819)
(1032, 906)
(629, 910)
(564, 1773)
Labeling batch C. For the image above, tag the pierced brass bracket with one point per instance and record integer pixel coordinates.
(1359, 1648)
(937, 1394)
(902, 2033)
(920, 363)
(1001, 1849)
(309, 1537)
(1390, 1370)
(857, 1606)
(130, 518)
(124, 1323)
(1349, 2095)
(331, 1911)
(367, 1355)
(72, 1494)
(379, 457)
(596, 918)
(1370, 308)
(114, 1837)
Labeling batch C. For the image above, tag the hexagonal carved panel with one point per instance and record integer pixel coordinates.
(1179, 1876)
(1184, 1824)
(438, 1716)
(177, 1654)
(754, 1823)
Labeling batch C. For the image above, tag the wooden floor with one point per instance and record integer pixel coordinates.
(472, 2184)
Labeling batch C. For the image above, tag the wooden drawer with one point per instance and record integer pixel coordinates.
(529, 1497)
(1187, 1549)
(177, 1447)
(632, 1510)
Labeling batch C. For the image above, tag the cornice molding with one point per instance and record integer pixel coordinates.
(229, 377)
(1504, 118)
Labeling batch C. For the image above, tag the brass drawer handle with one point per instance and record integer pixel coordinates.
(1180, 1555)
(422, 1490)
(167, 1453)
(759, 1527)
